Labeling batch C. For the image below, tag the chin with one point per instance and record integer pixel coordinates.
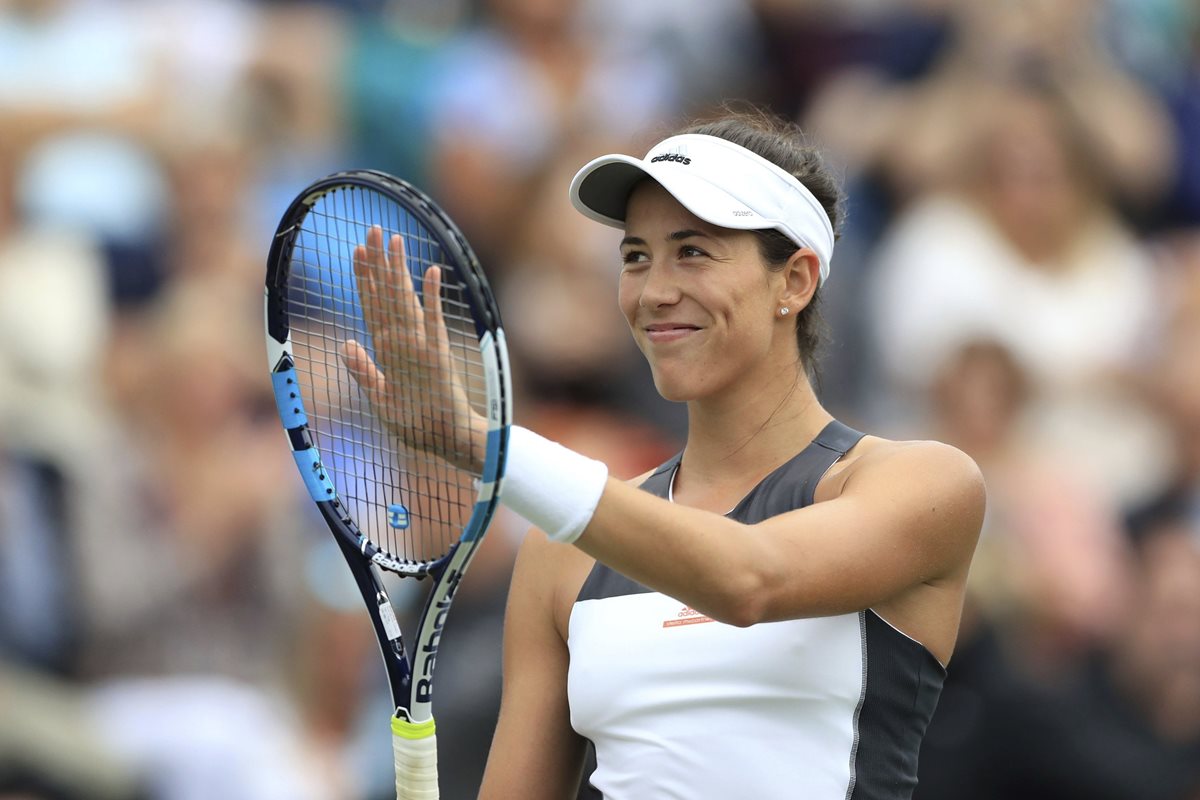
(673, 397)
(677, 388)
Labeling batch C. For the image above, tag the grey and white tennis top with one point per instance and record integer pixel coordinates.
(681, 706)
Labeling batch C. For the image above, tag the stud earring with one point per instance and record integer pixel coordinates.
(783, 311)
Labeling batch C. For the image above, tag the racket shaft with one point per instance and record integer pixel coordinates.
(414, 746)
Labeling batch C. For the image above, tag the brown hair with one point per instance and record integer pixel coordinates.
(785, 145)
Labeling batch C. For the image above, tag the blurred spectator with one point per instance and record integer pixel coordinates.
(389, 84)
(54, 324)
(189, 574)
(38, 570)
(87, 89)
(1155, 668)
(1030, 708)
(235, 742)
(289, 105)
(1025, 249)
(68, 64)
(510, 92)
(713, 49)
(1174, 384)
(812, 43)
(195, 555)
(1160, 39)
(1124, 723)
(1151, 39)
(917, 134)
(50, 748)
(901, 114)
(108, 187)
(215, 237)
(1052, 567)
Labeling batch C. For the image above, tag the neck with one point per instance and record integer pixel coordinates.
(744, 434)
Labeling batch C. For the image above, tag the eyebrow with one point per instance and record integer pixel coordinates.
(673, 237)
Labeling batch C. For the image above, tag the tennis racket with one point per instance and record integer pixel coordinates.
(391, 377)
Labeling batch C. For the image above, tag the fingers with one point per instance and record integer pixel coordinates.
(368, 279)
(436, 331)
(384, 283)
(435, 321)
(358, 362)
(400, 280)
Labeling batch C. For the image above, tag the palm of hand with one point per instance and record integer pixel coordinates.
(412, 384)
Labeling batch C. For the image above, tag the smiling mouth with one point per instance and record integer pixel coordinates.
(669, 332)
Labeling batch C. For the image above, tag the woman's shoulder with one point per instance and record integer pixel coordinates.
(929, 493)
(930, 466)
(551, 576)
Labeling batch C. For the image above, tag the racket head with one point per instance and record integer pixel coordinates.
(402, 508)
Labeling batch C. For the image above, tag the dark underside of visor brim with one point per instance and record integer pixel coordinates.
(606, 190)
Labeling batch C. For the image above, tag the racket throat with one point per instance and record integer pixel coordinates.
(429, 638)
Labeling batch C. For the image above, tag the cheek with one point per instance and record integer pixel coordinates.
(628, 294)
(745, 314)
(752, 336)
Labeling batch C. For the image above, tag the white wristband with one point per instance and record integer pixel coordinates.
(554, 488)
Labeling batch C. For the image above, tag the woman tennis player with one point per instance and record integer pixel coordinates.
(768, 614)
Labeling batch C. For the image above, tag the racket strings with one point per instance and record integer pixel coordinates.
(407, 502)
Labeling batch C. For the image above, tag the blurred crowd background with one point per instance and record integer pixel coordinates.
(1019, 276)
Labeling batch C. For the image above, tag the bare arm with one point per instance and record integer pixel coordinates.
(908, 515)
(535, 754)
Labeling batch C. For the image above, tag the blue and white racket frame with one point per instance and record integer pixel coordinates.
(410, 680)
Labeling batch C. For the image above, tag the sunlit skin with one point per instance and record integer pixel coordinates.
(706, 312)
(701, 304)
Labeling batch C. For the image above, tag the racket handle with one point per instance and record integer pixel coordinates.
(414, 745)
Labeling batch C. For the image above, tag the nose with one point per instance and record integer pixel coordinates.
(660, 287)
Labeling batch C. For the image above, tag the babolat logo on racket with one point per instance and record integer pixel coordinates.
(424, 690)
(679, 157)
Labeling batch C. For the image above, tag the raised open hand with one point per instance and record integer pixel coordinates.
(413, 385)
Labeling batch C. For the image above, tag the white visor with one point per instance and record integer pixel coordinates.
(720, 182)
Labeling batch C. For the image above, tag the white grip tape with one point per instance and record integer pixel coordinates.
(554, 488)
(414, 745)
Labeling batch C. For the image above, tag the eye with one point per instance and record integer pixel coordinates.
(634, 257)
(691, 251)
